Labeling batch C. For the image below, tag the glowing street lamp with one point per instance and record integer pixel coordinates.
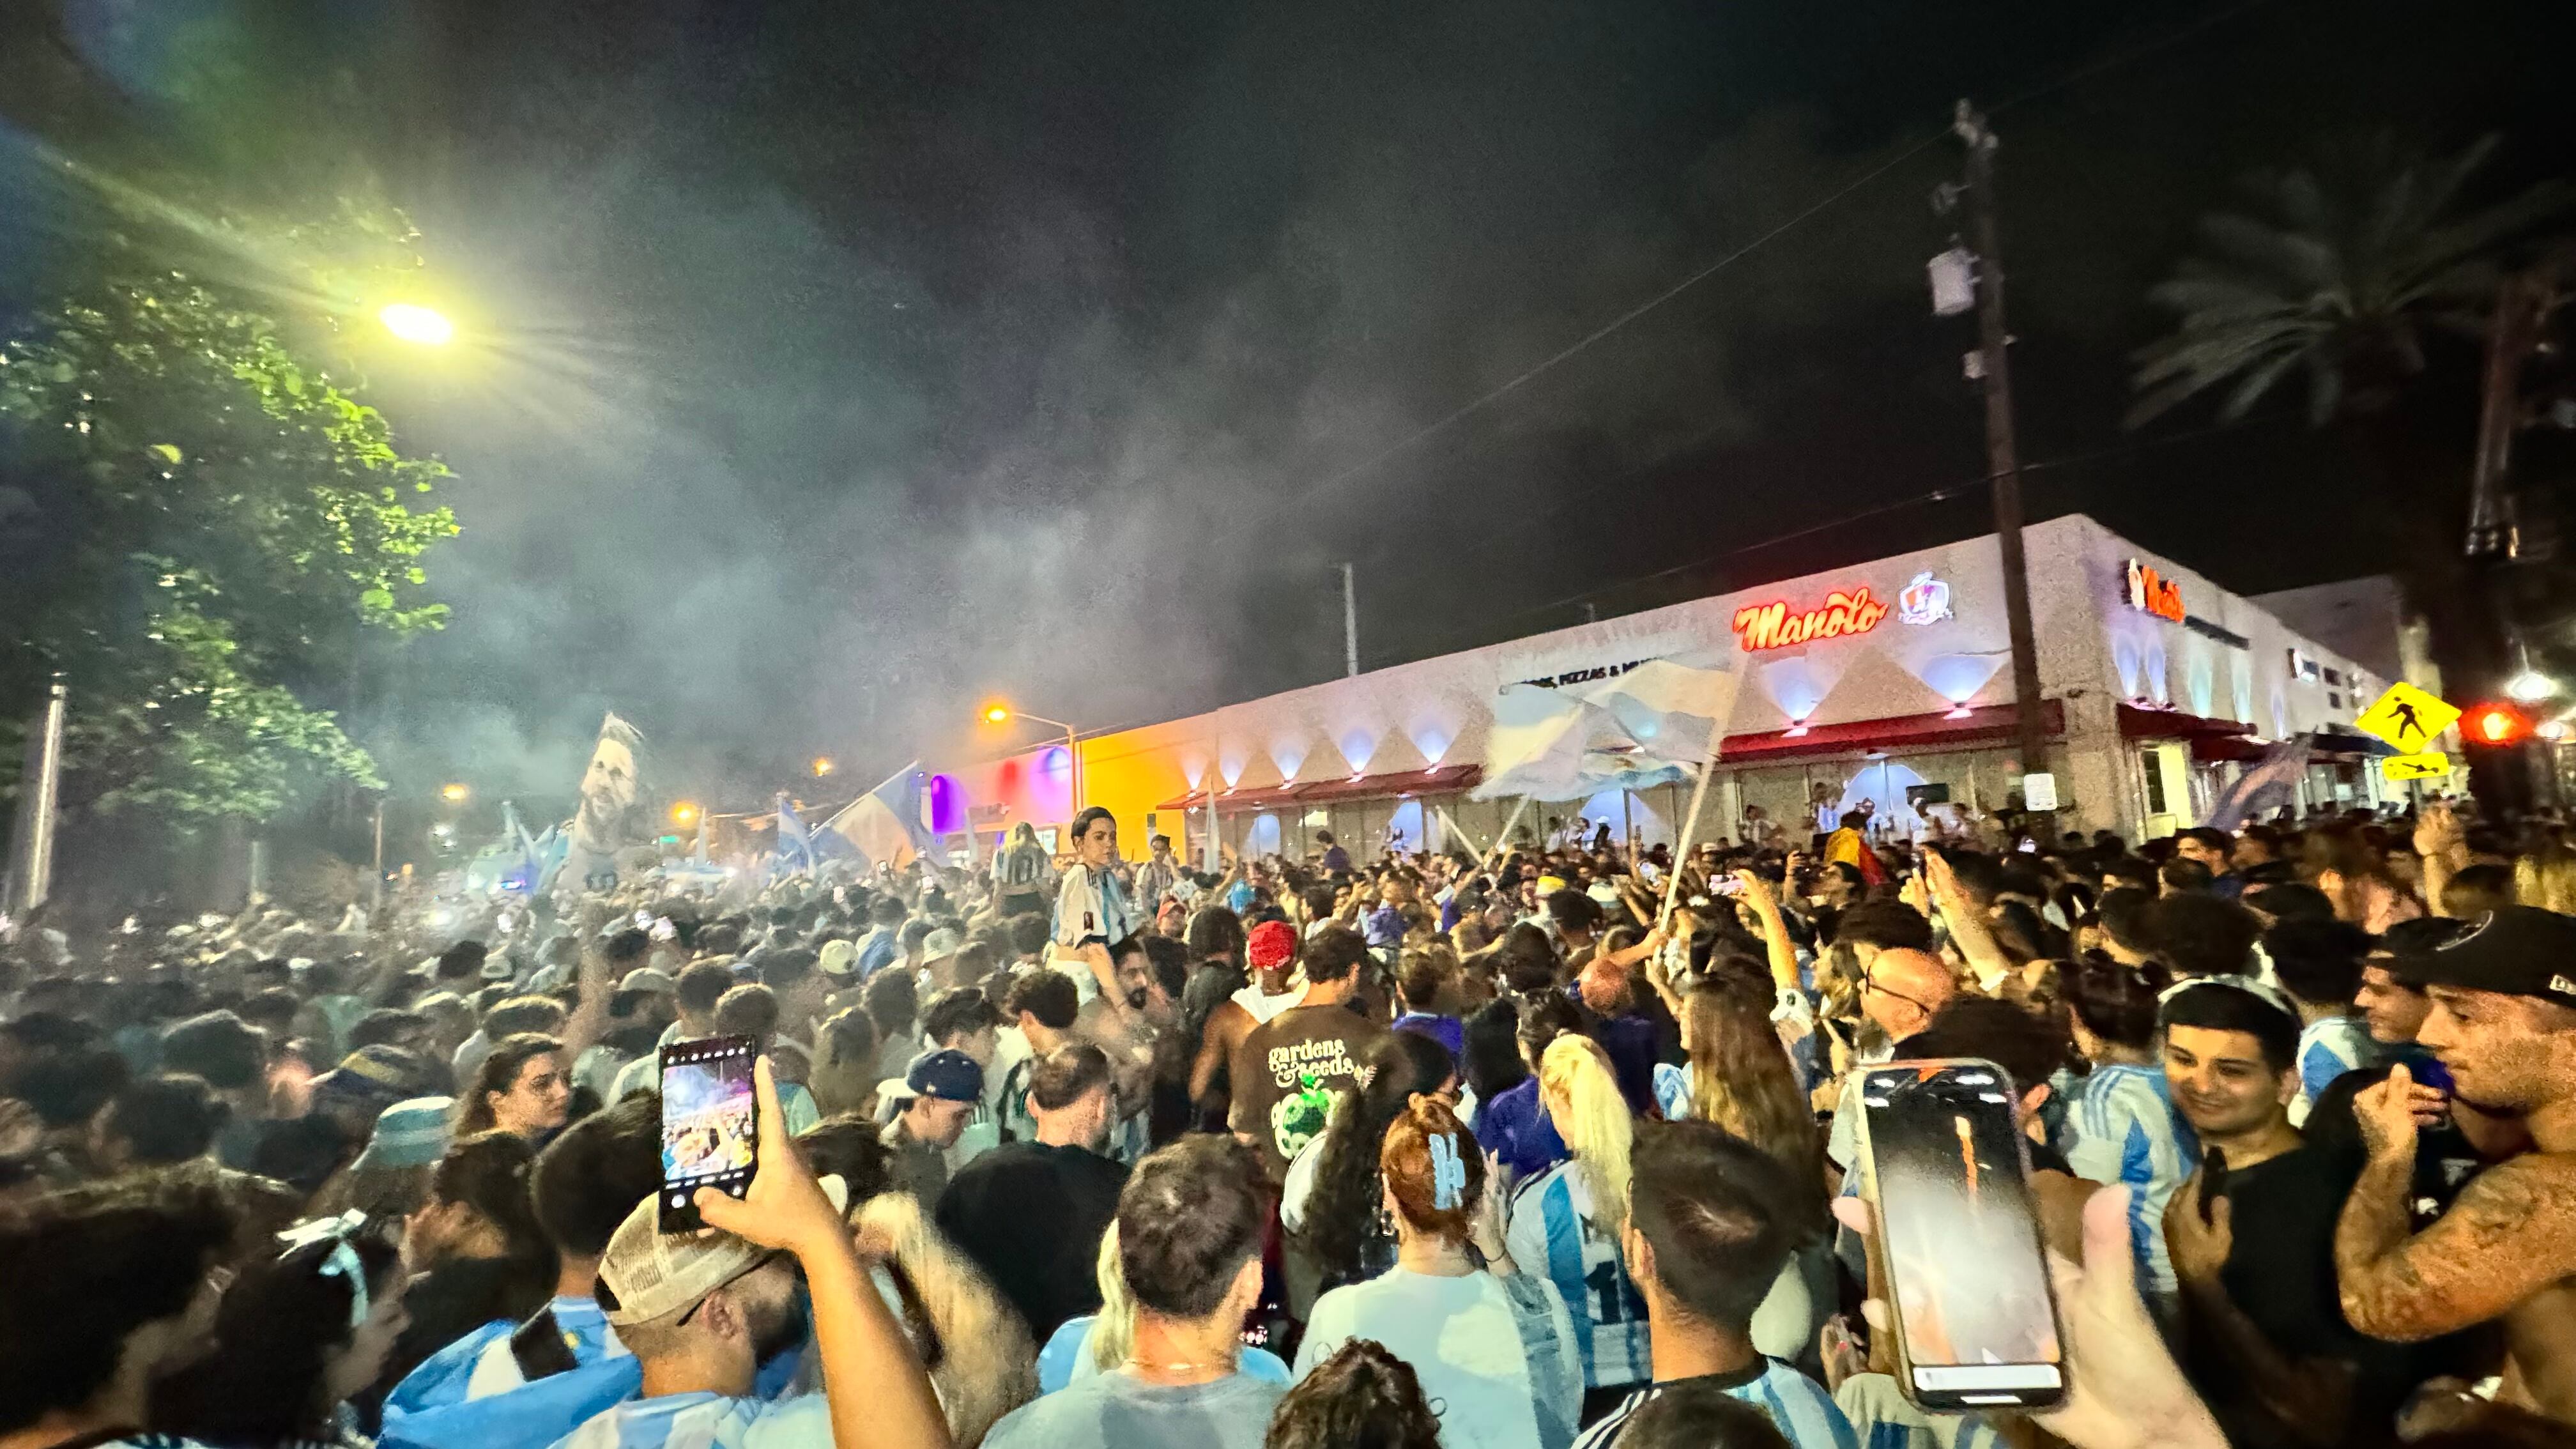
(414, 323)
(1000, 713)
(822, 765)
(683, 813)
(453, 794)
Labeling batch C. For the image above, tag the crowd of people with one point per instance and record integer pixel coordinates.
(1549, 1146)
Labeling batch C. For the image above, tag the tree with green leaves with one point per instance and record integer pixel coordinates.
(2335, 276)
(198, 530)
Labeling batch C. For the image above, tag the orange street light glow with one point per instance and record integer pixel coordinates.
(453, 794)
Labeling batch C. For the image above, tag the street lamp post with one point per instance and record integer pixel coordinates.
(1003, 714)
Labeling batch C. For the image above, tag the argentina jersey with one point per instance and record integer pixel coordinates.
(2328, 1048)
(1798, 1407)
(1551, 1231)
(2127, 1132)
(707, 1421)
(576, 1323)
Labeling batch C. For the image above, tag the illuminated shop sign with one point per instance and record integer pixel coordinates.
(1926, 600)
(1772, 626)
(2153, 593)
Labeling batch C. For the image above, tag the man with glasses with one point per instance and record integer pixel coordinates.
(1901, 990)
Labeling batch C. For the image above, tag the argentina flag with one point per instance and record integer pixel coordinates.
(881, 827)
(2270, 783)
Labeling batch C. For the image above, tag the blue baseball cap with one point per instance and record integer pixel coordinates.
(946, 1074)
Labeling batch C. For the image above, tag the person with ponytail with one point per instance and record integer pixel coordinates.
(1564, 1223)
(2125, 1129)
(1495, 1349)
(297, 1337)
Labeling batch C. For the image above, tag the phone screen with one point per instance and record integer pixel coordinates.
(710, 1124)
(1960, 1245)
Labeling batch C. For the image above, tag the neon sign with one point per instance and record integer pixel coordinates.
(2152, 593)
(1772, 626)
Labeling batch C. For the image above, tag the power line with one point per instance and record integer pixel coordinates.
(1478, 404)
(1944, 494)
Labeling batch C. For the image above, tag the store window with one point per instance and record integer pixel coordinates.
(2155, 783)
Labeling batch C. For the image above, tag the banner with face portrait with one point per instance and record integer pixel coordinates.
(611, 817)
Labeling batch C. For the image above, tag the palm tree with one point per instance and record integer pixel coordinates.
(2337, 274)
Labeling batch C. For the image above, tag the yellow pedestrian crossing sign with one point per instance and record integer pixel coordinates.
(2430, 765)
(2407, 717)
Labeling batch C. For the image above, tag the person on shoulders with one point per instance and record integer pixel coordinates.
(1190, 1227)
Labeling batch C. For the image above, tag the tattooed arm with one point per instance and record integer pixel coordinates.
(2511, 1233)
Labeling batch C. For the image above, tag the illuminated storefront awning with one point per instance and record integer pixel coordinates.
(1439, 780)
(1948, 730)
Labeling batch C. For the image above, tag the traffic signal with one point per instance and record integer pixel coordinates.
(2496, 724)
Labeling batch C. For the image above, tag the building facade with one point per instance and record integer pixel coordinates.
(1886, 685)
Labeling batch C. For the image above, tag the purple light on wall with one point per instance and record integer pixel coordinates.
(947, 805)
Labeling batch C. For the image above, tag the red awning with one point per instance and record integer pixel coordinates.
(2145, 722)
(2209, 749)
(1905, 732)
(1439, 780)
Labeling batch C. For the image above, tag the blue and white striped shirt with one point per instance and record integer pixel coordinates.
(708, 1421)
(1551, 1230)
(1799, 1407)
(2328, 1048)
(2127, 1133)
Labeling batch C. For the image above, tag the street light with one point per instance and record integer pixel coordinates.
(453, 794)
(822, 765)
(1000, 713)
(683, 813)
(417, 324)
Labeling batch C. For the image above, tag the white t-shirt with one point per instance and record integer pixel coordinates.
(1457, 1334)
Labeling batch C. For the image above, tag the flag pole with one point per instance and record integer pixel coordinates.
(1690, 822)
(1503, 836)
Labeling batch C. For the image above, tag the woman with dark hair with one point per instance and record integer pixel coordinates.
(477, 1247)
(1492, 1061)
(297, 1338)
(522, 1087)
(2124, 1126)
(1496, 1349)
(1362, 1395)
(1333, 1189)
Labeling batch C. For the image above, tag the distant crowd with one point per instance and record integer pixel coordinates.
(1547, 1146)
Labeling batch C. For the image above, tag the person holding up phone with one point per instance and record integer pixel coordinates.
(703, 1311)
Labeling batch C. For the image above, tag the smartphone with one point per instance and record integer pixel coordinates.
(2429, 1072)
(710, 1125)
(1946, 1170)
(2213, 1183)
(1727, 885)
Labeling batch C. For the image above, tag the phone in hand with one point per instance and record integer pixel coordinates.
(710, 1125)
(1947, 1171)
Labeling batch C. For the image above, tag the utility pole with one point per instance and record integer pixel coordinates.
(40, 788)
(1350, 624)
(2003, 463)
(2507, 780)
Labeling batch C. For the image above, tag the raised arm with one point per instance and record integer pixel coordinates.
(1968, 928)
(2509, 1234)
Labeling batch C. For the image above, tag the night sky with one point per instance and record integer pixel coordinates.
(837, 365)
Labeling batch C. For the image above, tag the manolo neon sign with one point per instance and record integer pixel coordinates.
(1772, 626)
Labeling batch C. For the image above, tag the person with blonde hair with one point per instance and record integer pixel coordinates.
(1564, 1223)
(1496, 1348)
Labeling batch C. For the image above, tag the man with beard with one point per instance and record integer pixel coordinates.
(2503, 1022)
(609, 791)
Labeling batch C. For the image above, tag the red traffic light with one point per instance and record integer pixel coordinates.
(2497, 724)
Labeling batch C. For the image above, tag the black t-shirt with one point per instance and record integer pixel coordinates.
(1031, 1217)
(2280, 1274)
(2444, 1160)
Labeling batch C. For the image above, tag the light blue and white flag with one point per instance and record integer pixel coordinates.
(2270, 783)
(881, 827)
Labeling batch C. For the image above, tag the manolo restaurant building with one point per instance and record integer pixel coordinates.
(1886, 684)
